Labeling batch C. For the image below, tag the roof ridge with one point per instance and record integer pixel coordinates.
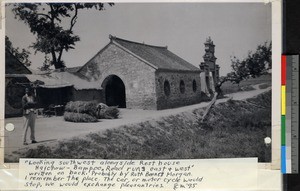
(111, 37)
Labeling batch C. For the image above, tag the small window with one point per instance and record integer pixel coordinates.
(194, 86)
(182, 86)
(167, 88)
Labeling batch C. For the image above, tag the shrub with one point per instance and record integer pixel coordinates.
(247, 88)
(109, 113)
(79, 117)
(264, 86)
(40, 151)
(87, 107)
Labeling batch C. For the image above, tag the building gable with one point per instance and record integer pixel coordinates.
(157, 57)
(113, 57)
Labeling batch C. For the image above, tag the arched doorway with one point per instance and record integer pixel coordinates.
(114, 90)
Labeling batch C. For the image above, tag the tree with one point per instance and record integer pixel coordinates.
(21, 55)
(254, 65)
(53, 24)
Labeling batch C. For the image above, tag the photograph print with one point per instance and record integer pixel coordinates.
(137, 80)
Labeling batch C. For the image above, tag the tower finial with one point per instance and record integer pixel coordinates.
(111, 37)
(208, 40)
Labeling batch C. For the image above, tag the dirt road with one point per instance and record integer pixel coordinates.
(51, 129)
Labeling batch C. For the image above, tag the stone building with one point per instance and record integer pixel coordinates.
(124, 73)
(209, 68)
(137, 75)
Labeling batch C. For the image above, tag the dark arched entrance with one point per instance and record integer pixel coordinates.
(114, 90)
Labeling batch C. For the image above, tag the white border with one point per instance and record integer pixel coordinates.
(276, 70)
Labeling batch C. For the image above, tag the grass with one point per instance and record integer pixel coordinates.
(246, 85)
(247, 88)
(231, 129)
(264, 86)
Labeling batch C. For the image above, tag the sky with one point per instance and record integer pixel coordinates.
(235, 28)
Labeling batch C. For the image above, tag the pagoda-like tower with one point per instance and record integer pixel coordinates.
(210, 60)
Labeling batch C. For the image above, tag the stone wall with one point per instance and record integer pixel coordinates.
(137, 76)
(179, 95)
(88, 95)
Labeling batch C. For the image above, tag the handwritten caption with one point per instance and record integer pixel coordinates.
(109, 174)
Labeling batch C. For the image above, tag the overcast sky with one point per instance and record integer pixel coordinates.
(235, 28)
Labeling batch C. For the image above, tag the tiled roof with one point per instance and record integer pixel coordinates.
(159, 57)
(78, 82)
(48, 81)
(59, 80)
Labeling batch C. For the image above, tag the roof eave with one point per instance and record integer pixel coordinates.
(180, 71)
(92, 88)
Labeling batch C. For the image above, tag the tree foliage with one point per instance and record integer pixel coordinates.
(21, 55)
(254, 65)
(53, 24)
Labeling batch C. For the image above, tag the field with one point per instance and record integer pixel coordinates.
(247, 85)
(231, 129)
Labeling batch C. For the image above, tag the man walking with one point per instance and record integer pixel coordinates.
(29, 105)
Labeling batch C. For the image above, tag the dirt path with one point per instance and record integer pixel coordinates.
(49, 130)
(248, 94)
